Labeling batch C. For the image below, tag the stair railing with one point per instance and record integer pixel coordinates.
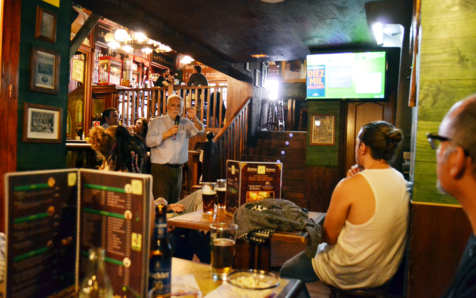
(208, 101)
(232, 140)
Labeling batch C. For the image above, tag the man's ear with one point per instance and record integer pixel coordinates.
(458, 163)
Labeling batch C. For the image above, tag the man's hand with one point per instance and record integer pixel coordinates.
(353, 170)
(191, 113)
(172, 131)
(177, 208)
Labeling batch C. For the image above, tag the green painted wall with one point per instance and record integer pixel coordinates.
(447, 73)
(327, 156)
(33, 156)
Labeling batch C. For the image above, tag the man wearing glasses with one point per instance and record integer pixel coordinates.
(456, 170)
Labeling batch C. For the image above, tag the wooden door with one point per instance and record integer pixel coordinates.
(359, 114)
(10, 11)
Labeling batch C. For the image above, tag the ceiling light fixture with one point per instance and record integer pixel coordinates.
(259, 56)
(127, 42)
(187, 60)
(377, 29)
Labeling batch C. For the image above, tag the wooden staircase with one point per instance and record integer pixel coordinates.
(289, 147)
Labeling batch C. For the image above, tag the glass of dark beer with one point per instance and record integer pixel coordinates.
(222, 237)
(221, 193)
(208, 196)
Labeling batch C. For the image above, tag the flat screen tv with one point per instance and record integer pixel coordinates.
(348, 75)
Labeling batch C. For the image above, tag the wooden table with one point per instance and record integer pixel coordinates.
(288, 288)
(249, 255)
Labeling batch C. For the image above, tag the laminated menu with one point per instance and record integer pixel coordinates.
(251, 181)
(54, 217)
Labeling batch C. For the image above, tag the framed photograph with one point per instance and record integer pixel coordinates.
(45, 66)
(257, 78)
(322, 130)
(45, 25)
(264, 74)
(41, 124)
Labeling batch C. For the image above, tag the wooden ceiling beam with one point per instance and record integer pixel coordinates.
(125, 13)
(83, 32)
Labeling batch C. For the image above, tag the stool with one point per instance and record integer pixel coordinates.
(377, 292)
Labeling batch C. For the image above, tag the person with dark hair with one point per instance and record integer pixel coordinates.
(165, 79)
(456, 170)
(110, 117)
(197, 78)
(365, 230)
(139, 133)
(125, 156)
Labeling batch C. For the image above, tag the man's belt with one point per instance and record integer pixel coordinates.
(173, 165)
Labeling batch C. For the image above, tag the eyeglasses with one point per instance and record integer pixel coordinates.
(435, 141)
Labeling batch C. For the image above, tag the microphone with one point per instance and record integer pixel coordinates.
(177, 122)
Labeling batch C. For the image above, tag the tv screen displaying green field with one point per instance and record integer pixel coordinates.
(346, 75)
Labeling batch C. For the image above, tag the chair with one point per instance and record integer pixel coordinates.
(377, 292)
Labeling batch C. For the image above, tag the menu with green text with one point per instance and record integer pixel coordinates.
(53, 218)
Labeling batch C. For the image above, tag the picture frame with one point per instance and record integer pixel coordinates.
(42, 124)
(322, 130)
(45, 66)
(45, 25)
(257, 78)
(264, 74)
(77, 73)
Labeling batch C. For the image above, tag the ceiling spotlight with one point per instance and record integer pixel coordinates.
(259, 56)
(121, 35)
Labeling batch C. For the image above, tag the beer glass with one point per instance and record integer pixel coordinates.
(221, 193)
(208, 197)
(222, 237)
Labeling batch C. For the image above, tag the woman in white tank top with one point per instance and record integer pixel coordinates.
(365, 229)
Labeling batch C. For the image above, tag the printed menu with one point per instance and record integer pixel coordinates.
(251, 181)
(54, 217)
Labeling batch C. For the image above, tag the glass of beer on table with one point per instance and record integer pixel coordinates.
(209, 194)
(221, 193)
(223, 238)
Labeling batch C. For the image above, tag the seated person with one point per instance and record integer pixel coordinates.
(365, 230)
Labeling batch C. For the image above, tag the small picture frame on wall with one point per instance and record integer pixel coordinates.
(257, 78)
(264, 74)
(322, 130)
(45, 65)
(41, 124)
(45, 25)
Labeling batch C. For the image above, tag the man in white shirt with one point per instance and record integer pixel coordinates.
(169, 147)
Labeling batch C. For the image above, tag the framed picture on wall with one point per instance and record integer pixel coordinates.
(45, 25)
(41, 124)
(257, 78)
(322, 130)
(264, 74)
(44, 67)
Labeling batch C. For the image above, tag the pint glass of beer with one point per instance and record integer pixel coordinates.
(221, 193)
(222, 237)
(208, 196)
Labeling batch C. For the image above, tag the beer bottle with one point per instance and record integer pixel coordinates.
(160, 267)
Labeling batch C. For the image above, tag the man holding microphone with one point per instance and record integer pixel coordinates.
(168, 139)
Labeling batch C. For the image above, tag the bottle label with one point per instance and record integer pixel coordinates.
(160, 276)
(161, 229)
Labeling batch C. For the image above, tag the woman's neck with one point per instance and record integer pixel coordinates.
(376, 165)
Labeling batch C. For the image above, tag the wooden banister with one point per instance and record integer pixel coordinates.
(231, 141)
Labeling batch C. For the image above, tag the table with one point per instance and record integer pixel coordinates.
(249, 255)
(288, 288)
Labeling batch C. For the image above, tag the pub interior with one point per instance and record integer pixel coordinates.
(260, 58)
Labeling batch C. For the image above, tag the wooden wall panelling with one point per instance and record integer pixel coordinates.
(320, 183)
(10, 56)
(438, 237)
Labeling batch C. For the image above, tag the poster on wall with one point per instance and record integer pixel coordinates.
(78, 70)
